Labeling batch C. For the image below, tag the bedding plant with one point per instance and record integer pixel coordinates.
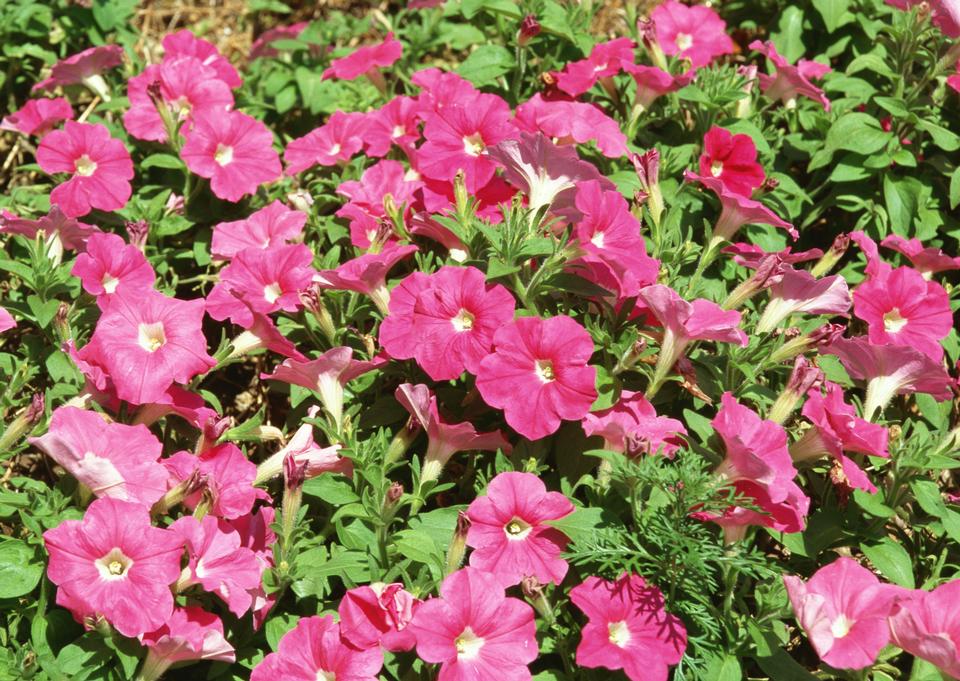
(481, 339)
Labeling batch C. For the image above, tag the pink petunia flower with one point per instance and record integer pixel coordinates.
(234, 151)
(114, 563)
(59, 231)
(749, 255)
(84, 67)
(799, 291)
(384, 188)
(902, 308)
(183, 43)
(945, 15)
(628, 628)
(7, 321)
(263, 45)
(109, 265)
(653, 83)
(732, 159)
(256, 535)
(99, 165)
(836, 429)
(367, 274)
(38, 116)
(315, 651)
(737, 210)
(146, 341)
(539, 374)
(218, 562)
(568, 121)
(443, 439)
(632, 427)
(439, 89)
(227, 479)
(843, 609)
(458, 136)
(272, 225)
(927, 624)
(336, 141)
(378, 615)
(187, 88)
(446, 320)
(396, 123)
(112, 459)
(306, 453)
(474, 631)
(189, 634)
(365, 59)
(696, 33)
(927, 260)
(875, 264)
(889, 370)
(509, 533)
(791, 81)
(605, 61)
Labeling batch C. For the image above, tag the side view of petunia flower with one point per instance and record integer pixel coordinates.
(568, 121)
(605, 61)
(365, 60)
(227, 479)
(799, 291)
(109, 264)
(927, 260)
(59, 231)
(632, 427)
(84, 67)
(367, 274)
(927, 624)
(38, 116)
(307, 453)
(736, 211)
(791, 81)
(184, 43)
(189, 634)
(336, 141)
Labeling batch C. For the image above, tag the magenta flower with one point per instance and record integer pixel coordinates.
(539, 374)
(569, 121)
(263, 45)
(114, 563)
(336, 141)
(509, 533)
(84, 67)
(446, 320)
(59, 231)
(696, 33)
(112, 459)
(927, 624)
(272, 225)
(146, 341)
(38, 116)
(605, 61)
(383, 188)
(189, 634)
(474, 631)
(737, 210)
(396, 123)
(188, 89)
(367, 274)
(945, 14)
(183, 43)
(256, 535)
(365, 59)
(902, 308)
(109, 265)
(799, 291)
(875, 264)
(218, 562)
(227, 476)
(234, 151)
(791, 81)
(442, 88)
(927, 260)
(443, 439)
(843, 609)
(890, 370)
(99, 165)
(458, 136)
(7, 321)
(732, 159)
(836, 429)
(652, 83)
(628, 628)
(749, 255)
(314, 651)
(306, 453)
(632, 427)
(788, 515)
(378, 615)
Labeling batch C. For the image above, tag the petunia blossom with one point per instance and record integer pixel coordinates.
(109, 264)
(38, 116)
(336, 141)
(732, 159)
(272, 225)
(539, 374)
(367, 274)
(84, 67)
(927, 625)
(307, 453)
(791, 81)
(378, 614)
(190, 634)
(572, 121)
(605, 61)
(58, 230)
(632, 427)
(114, 563)
(365, 59)
(509, 533)
(226, 477)
(945, 15)
(799, 291)
(696, 33)
(396, 123)
(628, 628)
(927, 260)
(184, 43)
(99, 166)
(737, 210)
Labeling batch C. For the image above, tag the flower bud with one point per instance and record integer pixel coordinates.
(23, 423)
(529, 29)
(294, 475)
(832, 256)
(137, 232)
(769, 271)
(458, 547)
(301, 199)
(647, 166)
(804, 377)
(648, 36)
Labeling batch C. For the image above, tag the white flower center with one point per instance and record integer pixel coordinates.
(334, 150)
(151, 337)
(684, 41)
(841, 626)
(85, 166)
(114, 565)
(323, 675)
(600, 67)
(182, 107)
(544, 369)
(109, 283)
(398, 131)
(468, 645)
(517, 529)
(223, 155)
(893, 321)
(716, 168)
(597, 239)
(271, 292)
(458, 254)
(463, 321)
(619, 633)
(473, 144)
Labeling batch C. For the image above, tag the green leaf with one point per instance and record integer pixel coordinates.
(582, 523)
(278, 625)
(43, 312)
(486, 63)
(788, 38)
(901, 197)
(20, 571)
(469, 8)
(872, 503)
(773, 659)
(724, 668)
(858, 132)
(943, 138)
(893, 105)
(162, 161)
(332, 489)
(418, 546)
(834, 13)
(955, 188)
(892, 561)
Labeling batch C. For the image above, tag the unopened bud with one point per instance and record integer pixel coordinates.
(137, 233)
(301, 199)
(458, 546)
(61, 323)
(22, 423)
(832, 256)
(804, 377)
(529, 29)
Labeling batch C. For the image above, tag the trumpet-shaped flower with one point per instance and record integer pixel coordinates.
(83, 67)
(336, 141)
(791, 81)
(272, 225)
(926, 260)
(189, 634)
(364, 59)
(799, 291)
(183, 43)
(696, 33)
(109, 265)
(605, 61)
(632, 427)
(367, 274)
(396, 123)
(378, 614)
(927, 624)
(568, 121)
(738, 210)
(38, 116)
(59, 231)
(225, 477)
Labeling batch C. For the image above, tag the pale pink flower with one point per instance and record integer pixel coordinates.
(190, 634)
(632, 427)
(84, 67)
(109, 265)
(628, 628)
(927, 625)
(791, 81)
(234, 151)
(183, 43)
(653, 83)
(99, 166)
(306, 453)
(737, 210)
(59, 231)
(364, 59)
(696, 33)
(7, 321)
(38, 116)
(378, 615)
(336, 141)
(272, 225)
(112, 459)
(114, 563)
(799, 291)
(474, 631)
(843, 609)
(605, 61)
(367, 274)
(569, 121)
